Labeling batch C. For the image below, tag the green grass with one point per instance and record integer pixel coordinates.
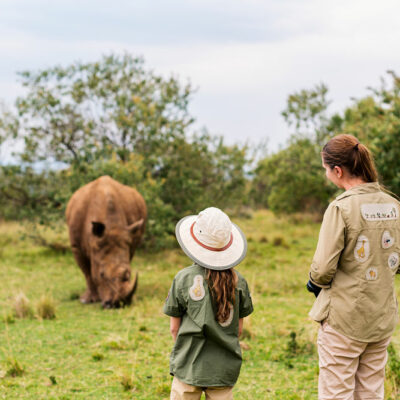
(90, 353)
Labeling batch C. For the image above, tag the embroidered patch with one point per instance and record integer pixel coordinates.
(230, 318)
(371, 274)
(387, 240)
(379, 211)
(196, 291)
(361, 251)
(394, 260)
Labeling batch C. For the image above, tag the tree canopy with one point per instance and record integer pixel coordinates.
(115, 117)
(292, 178)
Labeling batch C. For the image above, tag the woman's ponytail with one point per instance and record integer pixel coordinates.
(346, 151)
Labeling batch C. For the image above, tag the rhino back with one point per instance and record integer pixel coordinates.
(102, 200)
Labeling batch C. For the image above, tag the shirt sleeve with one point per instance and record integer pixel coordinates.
(174, 304)
(245, 302)
(330, 246)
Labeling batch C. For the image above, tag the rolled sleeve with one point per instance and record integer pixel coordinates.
(174, 304)
(330, 245)
(245, 302)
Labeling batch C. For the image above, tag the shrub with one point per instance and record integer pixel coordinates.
(292, 179)
(138, 136)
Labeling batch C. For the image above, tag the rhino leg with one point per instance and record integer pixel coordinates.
(90, 295)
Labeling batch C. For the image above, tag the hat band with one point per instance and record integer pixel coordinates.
(208, 247)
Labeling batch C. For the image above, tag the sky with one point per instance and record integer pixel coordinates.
(244, 57)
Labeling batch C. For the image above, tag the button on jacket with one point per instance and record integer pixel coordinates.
(206, 353)
(357, 257)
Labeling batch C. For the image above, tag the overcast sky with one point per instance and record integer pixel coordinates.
(244, 56)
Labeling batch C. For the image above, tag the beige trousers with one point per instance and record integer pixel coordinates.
(183, 391)
(348, 369)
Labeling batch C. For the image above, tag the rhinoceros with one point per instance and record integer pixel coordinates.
(106, 221)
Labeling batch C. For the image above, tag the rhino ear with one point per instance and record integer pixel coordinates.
(136, 226)
(98, 229)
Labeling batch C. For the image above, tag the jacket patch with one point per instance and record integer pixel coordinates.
(387, 240)
(230, 318)
(196, 291)
(394, 260)
(371, 274)
(379, 211)
(361, 251)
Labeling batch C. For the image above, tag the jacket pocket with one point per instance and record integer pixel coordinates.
(320, 310)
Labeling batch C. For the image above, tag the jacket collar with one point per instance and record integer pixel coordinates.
(370, 187)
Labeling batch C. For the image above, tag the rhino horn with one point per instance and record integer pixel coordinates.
(132, 291)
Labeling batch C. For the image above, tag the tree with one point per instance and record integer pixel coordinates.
(103, 118)
(70, 112)
(375, 121)
(306, 110)
(292, 179)
(203, 172)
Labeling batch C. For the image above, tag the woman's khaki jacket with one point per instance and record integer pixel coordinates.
(357, 257)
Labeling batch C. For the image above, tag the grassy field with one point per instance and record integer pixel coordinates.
(90, 353)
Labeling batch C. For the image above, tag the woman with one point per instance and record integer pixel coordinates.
(355, 264)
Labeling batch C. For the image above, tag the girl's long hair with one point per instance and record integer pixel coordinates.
(222, 286)
(346, 151)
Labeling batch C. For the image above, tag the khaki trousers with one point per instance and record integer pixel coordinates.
(183, 391)
(348, 369)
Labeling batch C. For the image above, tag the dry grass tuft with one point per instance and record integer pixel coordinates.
(8, 317)
(22, 306)
(46, 307)
(14, 368)
(127, 382)
(96, 356)
(279, 241)
(115, 342)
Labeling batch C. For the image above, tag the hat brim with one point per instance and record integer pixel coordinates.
(216, 260)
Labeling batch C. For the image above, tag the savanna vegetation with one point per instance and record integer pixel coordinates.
(116, 117)
(85, 352)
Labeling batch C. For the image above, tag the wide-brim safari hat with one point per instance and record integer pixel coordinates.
(211, 240)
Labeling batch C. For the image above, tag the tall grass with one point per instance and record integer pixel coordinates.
(22, 306)
(89, 353)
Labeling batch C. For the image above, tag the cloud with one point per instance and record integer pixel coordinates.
(245, 59)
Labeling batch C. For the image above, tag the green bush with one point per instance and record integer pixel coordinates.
(113, 117)
(292, 179)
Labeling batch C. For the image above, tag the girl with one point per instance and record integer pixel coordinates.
(355, 264)
(207, 303)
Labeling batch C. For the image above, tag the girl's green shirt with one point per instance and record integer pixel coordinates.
(206, 353)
